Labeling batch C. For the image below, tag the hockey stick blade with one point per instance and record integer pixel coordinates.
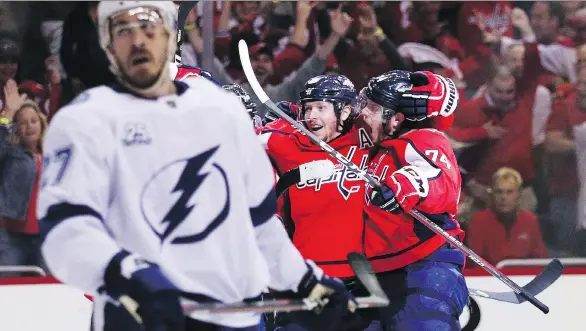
(303, 173)
(367, 277)
(184, 8)
(548, 276)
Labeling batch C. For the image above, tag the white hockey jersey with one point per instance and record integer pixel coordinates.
(181, 180)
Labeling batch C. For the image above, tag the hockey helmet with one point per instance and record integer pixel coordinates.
(417, 95)
(145, 10)
(332, 88)
(245, 99)
(242, 95)
(385, 91)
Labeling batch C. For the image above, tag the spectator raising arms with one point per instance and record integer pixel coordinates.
(21, 146)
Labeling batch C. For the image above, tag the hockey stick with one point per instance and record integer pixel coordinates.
(274, 305)
(367, 276)
(553, 271)
(304, 173)
(359, 264)
(184, 8)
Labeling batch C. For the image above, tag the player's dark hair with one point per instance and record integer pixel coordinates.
(407, 126)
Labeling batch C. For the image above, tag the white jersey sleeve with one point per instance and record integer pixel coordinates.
(286, 265)
(73, 199)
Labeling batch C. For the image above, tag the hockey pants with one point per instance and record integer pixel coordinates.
(425, 296)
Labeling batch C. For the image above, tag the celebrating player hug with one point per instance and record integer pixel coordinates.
(158, 196)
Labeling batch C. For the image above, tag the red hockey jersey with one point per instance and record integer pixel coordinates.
(394, 241)
(326, 213)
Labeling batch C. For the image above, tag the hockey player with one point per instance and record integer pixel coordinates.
(419, 271)
(324, 216)
(154, 194)
(325, 106)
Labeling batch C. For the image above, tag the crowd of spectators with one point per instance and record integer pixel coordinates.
(519, 132)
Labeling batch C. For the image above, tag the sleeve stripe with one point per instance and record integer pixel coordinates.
(62, 211)
(263, 212)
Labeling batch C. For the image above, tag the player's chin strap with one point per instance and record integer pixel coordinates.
(520, 293)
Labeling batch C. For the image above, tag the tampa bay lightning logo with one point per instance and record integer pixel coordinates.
(188, 198)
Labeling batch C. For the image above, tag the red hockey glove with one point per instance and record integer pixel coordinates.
(401, 191)
(432, 95)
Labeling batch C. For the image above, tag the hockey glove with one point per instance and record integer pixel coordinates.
(323, 290)
(144, 282)
(431, 95)
(332, 301)
(401, 191)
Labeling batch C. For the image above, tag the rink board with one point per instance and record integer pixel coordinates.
(32, 304)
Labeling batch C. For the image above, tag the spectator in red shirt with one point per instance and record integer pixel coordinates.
(505, 231)
(563, 178)
(505, 108)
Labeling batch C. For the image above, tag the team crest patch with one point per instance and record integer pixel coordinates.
(136, 134)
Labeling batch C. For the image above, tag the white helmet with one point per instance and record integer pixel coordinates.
(168, 11)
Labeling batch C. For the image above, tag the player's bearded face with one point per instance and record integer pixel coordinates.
(139, 45)
(320, 118)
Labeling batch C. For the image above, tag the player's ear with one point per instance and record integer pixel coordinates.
(345, 113)
(396, 121)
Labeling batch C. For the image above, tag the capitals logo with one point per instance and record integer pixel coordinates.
(186, 200)
(347, 181)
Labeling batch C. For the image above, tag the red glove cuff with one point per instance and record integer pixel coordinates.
(408, 185)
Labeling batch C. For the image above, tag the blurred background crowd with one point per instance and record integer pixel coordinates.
(519, 132)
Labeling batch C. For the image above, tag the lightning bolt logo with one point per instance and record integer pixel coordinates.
(188, 183)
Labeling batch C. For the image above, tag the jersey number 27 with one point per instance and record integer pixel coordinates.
(54, 166)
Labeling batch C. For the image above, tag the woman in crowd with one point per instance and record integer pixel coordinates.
(21, 147)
